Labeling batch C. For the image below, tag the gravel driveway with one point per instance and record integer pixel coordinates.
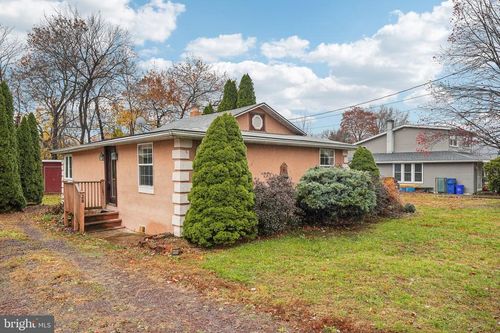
(45, 274)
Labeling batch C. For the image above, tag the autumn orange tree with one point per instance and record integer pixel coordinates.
(358, 124)
(156, 95)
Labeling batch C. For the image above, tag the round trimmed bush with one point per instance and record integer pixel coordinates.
(275, 204)
(329, 194)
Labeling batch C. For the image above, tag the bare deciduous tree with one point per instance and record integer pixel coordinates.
(469, 101)
(47, 77)
(385, 113)
(194, 83)
(10, 49)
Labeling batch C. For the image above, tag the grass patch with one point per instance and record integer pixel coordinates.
(12, 234)
(435, 271)
(51, 199)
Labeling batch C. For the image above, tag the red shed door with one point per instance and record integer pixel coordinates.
(52, 178)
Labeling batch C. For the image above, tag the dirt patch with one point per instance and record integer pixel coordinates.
(88, 290)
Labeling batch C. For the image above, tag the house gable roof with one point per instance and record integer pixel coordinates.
(202, 122)
(196, 127)
(401, 127)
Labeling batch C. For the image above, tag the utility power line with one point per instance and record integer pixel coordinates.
(330, 125)
(378, 98)
(372, 106)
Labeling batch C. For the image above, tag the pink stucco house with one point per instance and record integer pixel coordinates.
(142, 181)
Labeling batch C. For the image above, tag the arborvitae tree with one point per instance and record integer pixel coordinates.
(363, 160)
(229, 98)
(11, 193)
(27, 166)
(246, 93)
(208, 109)
(37, 194)
(222, 197)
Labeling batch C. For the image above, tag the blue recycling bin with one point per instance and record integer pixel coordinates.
(450, 188)
(460, 189)
(450, 181)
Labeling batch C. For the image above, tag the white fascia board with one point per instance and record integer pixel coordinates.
(116, 142)
(273, 140)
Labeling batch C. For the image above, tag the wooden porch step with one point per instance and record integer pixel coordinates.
(102, 224)
(100, 216)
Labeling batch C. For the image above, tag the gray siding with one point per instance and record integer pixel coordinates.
(465, 173)
(377, 145)
(405, 140)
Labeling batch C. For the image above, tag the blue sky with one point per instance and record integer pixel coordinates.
(304, 56)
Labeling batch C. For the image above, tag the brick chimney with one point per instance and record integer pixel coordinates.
(390, 136)
(195, 112)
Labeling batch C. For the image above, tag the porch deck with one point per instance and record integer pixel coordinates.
(85, 207)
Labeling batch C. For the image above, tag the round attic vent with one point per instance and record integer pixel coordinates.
(257, 122)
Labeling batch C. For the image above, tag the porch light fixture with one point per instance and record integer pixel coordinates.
(101, 156)
(114, 156)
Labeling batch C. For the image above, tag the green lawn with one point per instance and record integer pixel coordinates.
(51, 199)
(437, 271)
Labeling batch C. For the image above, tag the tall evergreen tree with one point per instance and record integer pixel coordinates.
(27, 167)
(37, 158)
(11, 193)
(246, 93)
(222, 198)
(208, 109)
(229, 98)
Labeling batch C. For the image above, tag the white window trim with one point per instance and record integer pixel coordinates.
(327, 165)
(65, 165)
(147, 189)
(412, 173)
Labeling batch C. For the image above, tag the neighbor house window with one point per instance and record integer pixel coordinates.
(408, 172)
(145, 163)
(326, 157)
(417, 172)
(453, 141)
(68, 167)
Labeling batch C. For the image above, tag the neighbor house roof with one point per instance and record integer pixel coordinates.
(427, 157)
(196, 127)
(401, 127)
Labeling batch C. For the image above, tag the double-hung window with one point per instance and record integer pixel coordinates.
(68, 167)
(326, 157)
(408, 172)
(453, 141)
(145, 165)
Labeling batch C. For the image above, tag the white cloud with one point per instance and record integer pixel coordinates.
(294, 89)
(154, 63)
(220, 47)
(397, 55)
(153, 21)
(290, 47)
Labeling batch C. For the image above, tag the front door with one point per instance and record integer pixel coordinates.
(110, 168)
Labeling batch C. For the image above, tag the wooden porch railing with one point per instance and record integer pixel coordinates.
(79, 196)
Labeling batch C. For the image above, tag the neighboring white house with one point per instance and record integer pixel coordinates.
(398, 154)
